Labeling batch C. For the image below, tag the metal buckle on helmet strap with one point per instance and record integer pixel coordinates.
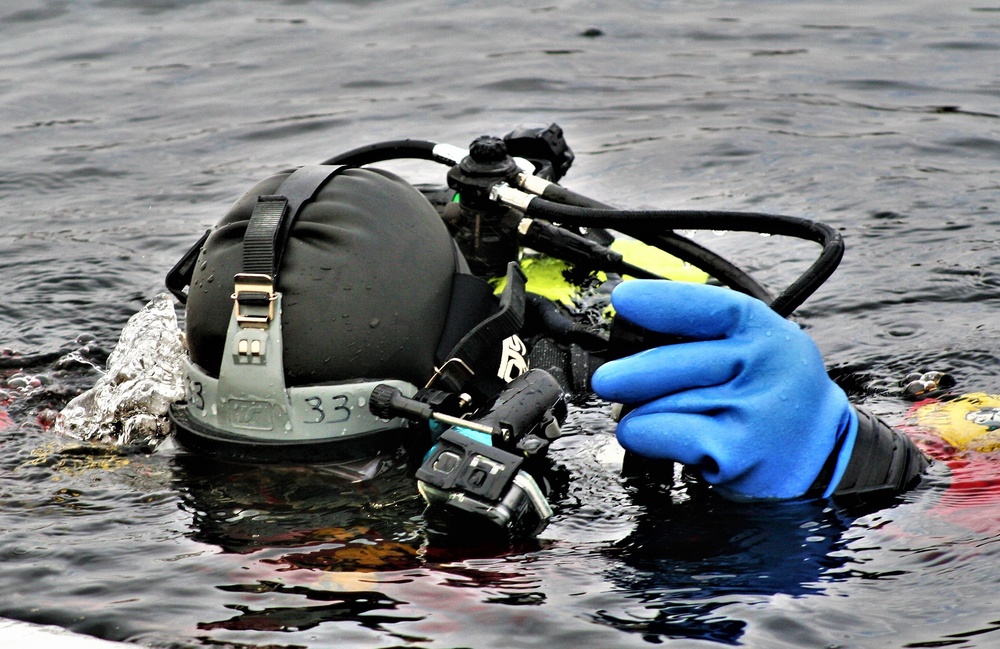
(253, 296)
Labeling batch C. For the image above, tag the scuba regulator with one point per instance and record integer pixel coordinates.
(509, 198)
(487, 429)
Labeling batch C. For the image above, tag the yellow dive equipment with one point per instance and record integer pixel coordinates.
(968, 423)
(546, 274)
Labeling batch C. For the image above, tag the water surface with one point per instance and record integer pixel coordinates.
(128, 127)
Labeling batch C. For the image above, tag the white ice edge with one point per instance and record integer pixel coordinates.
(24, 635)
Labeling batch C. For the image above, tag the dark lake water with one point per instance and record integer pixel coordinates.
(129, 126)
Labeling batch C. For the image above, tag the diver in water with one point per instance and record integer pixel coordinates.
(332, 316)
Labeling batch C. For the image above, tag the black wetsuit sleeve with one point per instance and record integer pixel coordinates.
(884, 462)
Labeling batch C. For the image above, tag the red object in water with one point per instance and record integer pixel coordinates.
(972, 498)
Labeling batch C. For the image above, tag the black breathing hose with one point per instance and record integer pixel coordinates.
(383, 151)
(672, 243)
(668, 241)
(654, 227)
(641, 222)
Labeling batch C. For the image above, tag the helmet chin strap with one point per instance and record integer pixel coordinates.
(252, 399)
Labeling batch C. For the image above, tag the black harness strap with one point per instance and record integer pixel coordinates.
(460, 365)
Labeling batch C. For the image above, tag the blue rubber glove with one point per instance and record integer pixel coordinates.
(748, 403)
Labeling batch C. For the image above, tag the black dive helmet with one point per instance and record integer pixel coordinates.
(318, 285)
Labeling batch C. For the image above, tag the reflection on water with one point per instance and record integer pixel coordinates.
(129, 127)
(246, 508)
(680, 559)
(301, 552)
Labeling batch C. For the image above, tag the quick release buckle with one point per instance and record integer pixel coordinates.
(253, 297)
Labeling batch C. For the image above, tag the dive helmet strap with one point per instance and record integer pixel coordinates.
(251, 383)
(267, 233)
(265, 239)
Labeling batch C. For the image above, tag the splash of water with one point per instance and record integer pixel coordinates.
(128, 405)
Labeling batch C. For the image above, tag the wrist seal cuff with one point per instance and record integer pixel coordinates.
(884, 462)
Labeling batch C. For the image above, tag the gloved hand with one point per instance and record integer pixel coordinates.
(747, 403)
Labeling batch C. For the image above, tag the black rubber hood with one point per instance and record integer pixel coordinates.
(366, 281)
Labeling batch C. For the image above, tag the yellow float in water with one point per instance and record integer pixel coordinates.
(970, 422)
